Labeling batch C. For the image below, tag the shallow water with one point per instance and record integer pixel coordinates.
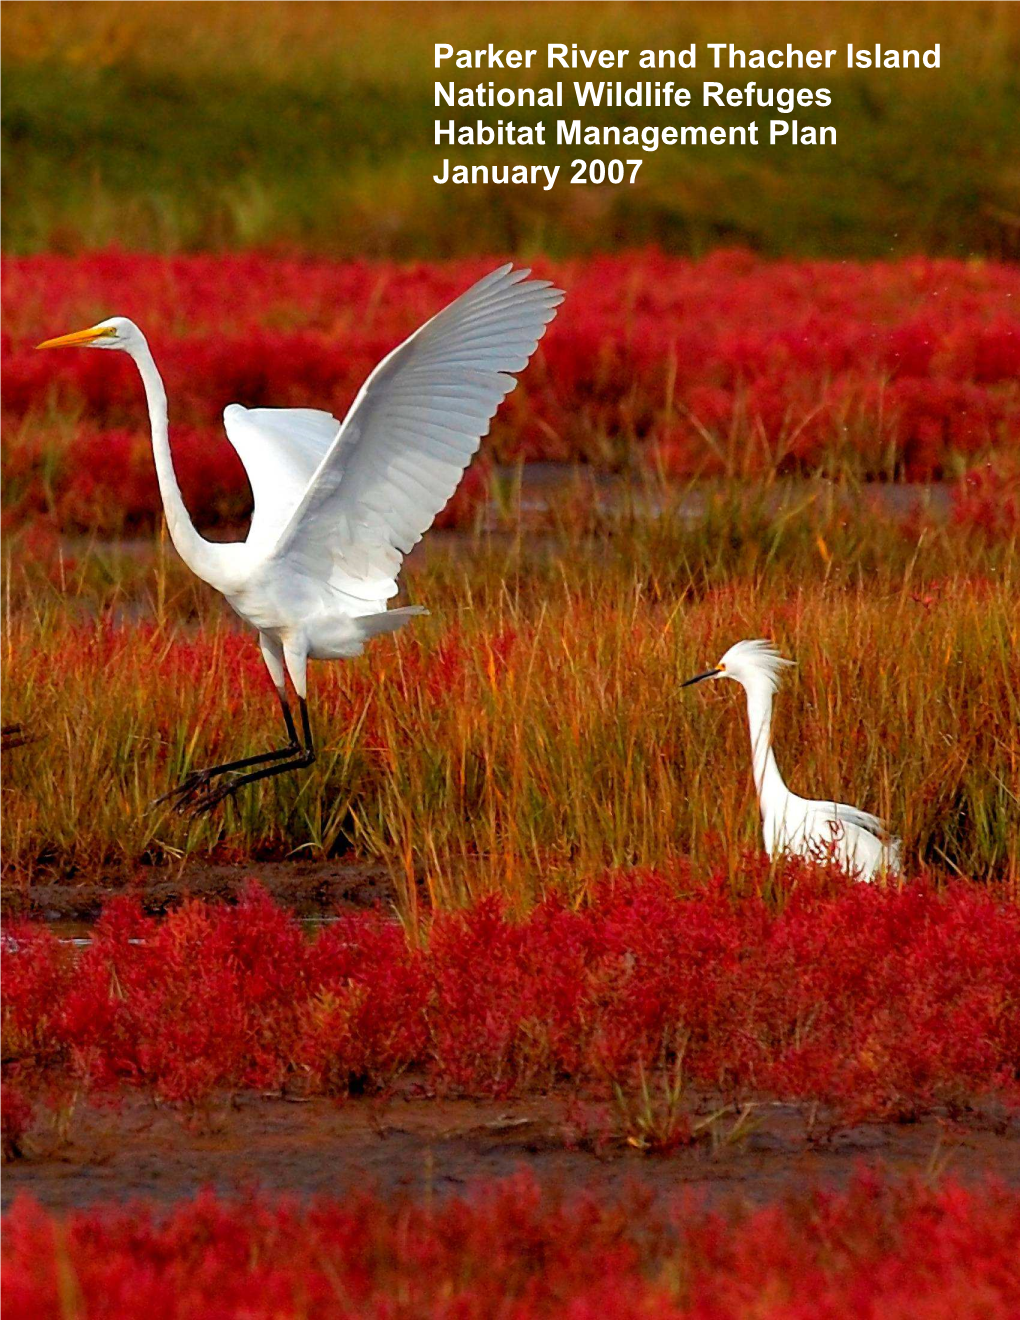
(539, 489)
(80, 934)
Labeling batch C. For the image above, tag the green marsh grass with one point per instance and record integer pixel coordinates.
(197, 126)
(531, 731)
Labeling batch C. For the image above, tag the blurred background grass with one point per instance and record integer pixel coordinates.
(175, 127)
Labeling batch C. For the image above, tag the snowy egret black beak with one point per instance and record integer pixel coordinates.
(698, 678)
(79, 338)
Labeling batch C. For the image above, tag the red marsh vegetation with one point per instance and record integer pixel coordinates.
(881, 1248)
(877, 1002)
(726, 365)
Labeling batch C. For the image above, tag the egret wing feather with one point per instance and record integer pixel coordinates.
(280, 449)
(412, 430)
(841, 812)
(863, 840)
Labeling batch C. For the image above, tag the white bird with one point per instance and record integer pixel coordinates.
(338, 505)
(820, 831)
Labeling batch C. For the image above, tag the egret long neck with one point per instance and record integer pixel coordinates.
(189, 545)
(768, 782)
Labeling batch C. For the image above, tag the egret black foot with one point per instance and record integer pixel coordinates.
(182, 794)
(15, 735)
(199, 802)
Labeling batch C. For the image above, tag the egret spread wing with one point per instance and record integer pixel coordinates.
(411, 432)
(280, 449)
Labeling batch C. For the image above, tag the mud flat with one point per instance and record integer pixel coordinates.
(431, 1146)
(306, 888)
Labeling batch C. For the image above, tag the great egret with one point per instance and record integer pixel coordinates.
(338, 505)
(792, 824)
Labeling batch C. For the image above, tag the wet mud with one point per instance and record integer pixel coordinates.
(437, 1147)
(306, 888)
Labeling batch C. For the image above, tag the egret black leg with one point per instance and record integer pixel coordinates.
(188, 794)
(288, 718)
(301, 757)
(309, 745)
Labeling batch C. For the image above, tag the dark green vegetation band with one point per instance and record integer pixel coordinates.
(189, 126)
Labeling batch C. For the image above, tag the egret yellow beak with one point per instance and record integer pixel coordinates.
(77, 337)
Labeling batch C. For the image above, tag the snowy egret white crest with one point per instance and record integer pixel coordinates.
(754, 661)
(818, 830)
(339, 504)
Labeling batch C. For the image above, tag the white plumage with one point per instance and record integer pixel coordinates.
(338, 505)
(855, 839)
(280, 449)
(408, 437)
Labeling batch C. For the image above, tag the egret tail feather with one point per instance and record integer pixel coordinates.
(374, 625)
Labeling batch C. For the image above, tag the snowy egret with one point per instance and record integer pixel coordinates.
(792, 824)
(338, 505)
